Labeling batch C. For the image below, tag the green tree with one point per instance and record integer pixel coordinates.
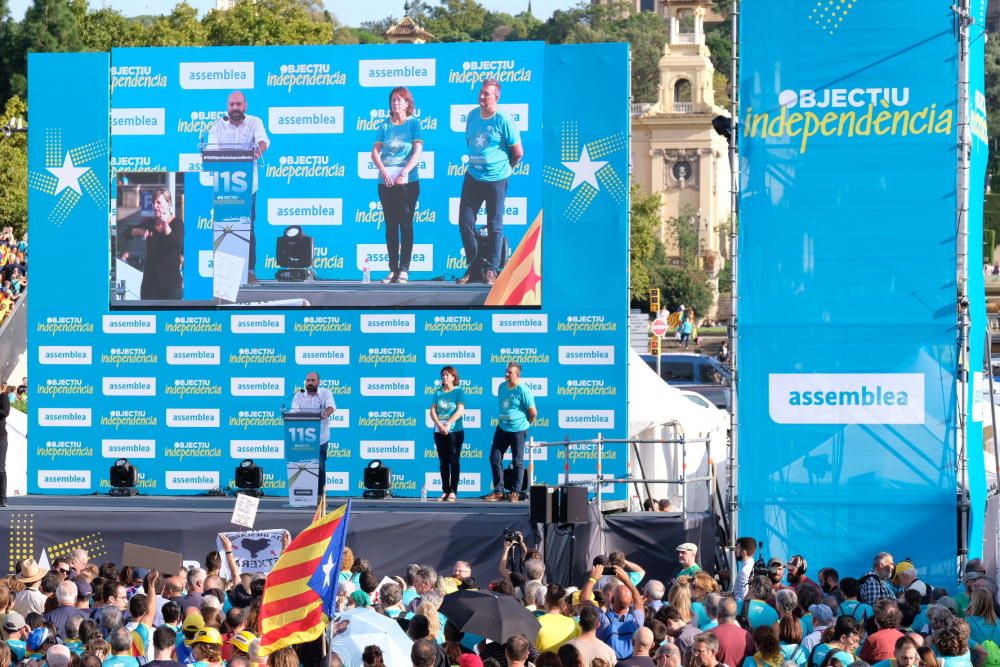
(644, 240)
(14, 170)
(269, 22)
(105, 29)
(684, 281)
(49, 26)
(9, 38)
(180, 27)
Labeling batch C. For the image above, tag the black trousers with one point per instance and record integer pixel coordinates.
(449, 446)
(398, 205)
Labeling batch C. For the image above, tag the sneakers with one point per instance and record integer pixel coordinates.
(491, 277)
(493, 497)
(402, 277)
(391, 278)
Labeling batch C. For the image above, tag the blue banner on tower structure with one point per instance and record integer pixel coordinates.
(848, 351)
(160, 349)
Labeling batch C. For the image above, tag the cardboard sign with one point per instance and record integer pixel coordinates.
(165, 562)
(253, 550)
(245, 511)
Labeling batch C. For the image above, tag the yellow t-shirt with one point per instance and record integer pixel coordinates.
(556, 630)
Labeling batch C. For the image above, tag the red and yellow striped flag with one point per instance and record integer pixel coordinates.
(520, 283)
(301, 592)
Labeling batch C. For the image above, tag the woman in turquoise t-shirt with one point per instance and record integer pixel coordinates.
(396, 154)
(446, 413)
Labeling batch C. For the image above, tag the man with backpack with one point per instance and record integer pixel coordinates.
(874, 584)
(624, 615)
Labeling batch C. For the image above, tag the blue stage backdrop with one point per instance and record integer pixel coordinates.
(186, 394)
(848, 309)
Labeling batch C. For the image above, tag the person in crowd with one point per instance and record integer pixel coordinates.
(31, 599)
(851, 605)
(624, 614)
(679, 598)
(823, 618)
(874, 585)
(396, 154)
(905, 654)
(653, 592)
(981, 616)
(768, 647)
(702, 584)
(680, 631)
(880, 644)
(776, 573)
(796, 572)
(642, 644)
(951, 643)
(841, 640)
(446, 412)
(756, 610)
(712, 601)
(557, 627)
(829, 581)
(687, 556)
(735, 643)
(494, 149)
(905, 578)
(705, 651)
(164, 643)
(746, 548)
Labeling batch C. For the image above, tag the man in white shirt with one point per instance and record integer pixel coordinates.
(746, 547)
(238, 129)
(317, 399)
(31, 599)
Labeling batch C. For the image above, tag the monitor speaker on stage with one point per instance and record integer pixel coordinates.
(571, 505)
(542, 504)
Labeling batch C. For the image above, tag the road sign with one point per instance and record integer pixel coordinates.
(659, 327)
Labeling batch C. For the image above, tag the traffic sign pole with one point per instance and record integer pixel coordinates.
(659, 328)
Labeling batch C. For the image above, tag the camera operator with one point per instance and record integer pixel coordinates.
(617, 558)
(517, 559)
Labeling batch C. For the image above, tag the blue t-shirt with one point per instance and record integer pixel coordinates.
(488, 140)
(17, 648)
(858, 610)
(964, 660)
(760, 613)
(821, 651)
(397, 143)
(514, 405)
(980, 630)
(700, 615)
(795, 653)
(120, 661)
(446, 404)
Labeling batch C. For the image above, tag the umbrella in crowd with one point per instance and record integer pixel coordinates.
(484, 613)
(369, 627)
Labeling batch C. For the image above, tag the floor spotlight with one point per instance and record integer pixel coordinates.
(376, 479)
(123, 477)
(249, 478)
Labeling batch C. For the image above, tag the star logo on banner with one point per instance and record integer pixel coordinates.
(66, 175)
(585, 170)
(395, 144)
(328, 572)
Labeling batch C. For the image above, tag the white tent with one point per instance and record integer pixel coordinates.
(17, 453)
(658, 411)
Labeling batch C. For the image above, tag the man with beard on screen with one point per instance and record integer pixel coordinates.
(317, 399)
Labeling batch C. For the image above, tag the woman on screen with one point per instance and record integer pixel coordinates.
(161, 277)
(446, 413)
(396, 154)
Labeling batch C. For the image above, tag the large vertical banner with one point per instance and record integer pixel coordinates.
(187, 388)
(848, 308)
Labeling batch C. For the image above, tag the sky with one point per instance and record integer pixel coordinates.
(348, 12)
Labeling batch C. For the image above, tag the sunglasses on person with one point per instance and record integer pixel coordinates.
(62, 571)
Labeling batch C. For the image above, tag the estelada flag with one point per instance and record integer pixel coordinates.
(520, 283)
(300, 595)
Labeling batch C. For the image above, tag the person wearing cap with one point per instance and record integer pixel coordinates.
(31, 599)
(17, 634)
(686, 555)
(121, 646)
(83, 593)
(796, 572)
(193, 623)
(823, 618)
(164, 645)
(207, 648)
(239, 645)
(776, 573)
(874, 584)
(974, 572)
(66, 597)
(906, 579)
(38, 642)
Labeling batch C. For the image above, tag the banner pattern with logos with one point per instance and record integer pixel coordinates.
(848, 352)
(187, 394)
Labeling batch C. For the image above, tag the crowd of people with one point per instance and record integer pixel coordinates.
(81, 614)
(13, 270)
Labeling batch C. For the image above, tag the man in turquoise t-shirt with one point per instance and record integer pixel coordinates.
(517, 411)
(494, 146)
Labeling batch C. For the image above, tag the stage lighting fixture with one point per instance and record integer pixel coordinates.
(249, 478)
(123, 477)
(376, 479)
(294, 254)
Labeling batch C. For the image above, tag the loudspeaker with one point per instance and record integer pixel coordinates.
(542, 504)
(571, 505)
(508, 479)
(294, 252)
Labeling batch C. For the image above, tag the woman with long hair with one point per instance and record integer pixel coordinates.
(769, 653)
(449, 434)
(679, 597)
(396, 154)
(982, 617)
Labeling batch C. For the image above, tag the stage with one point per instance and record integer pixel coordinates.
(440, 293)
(389, 533)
